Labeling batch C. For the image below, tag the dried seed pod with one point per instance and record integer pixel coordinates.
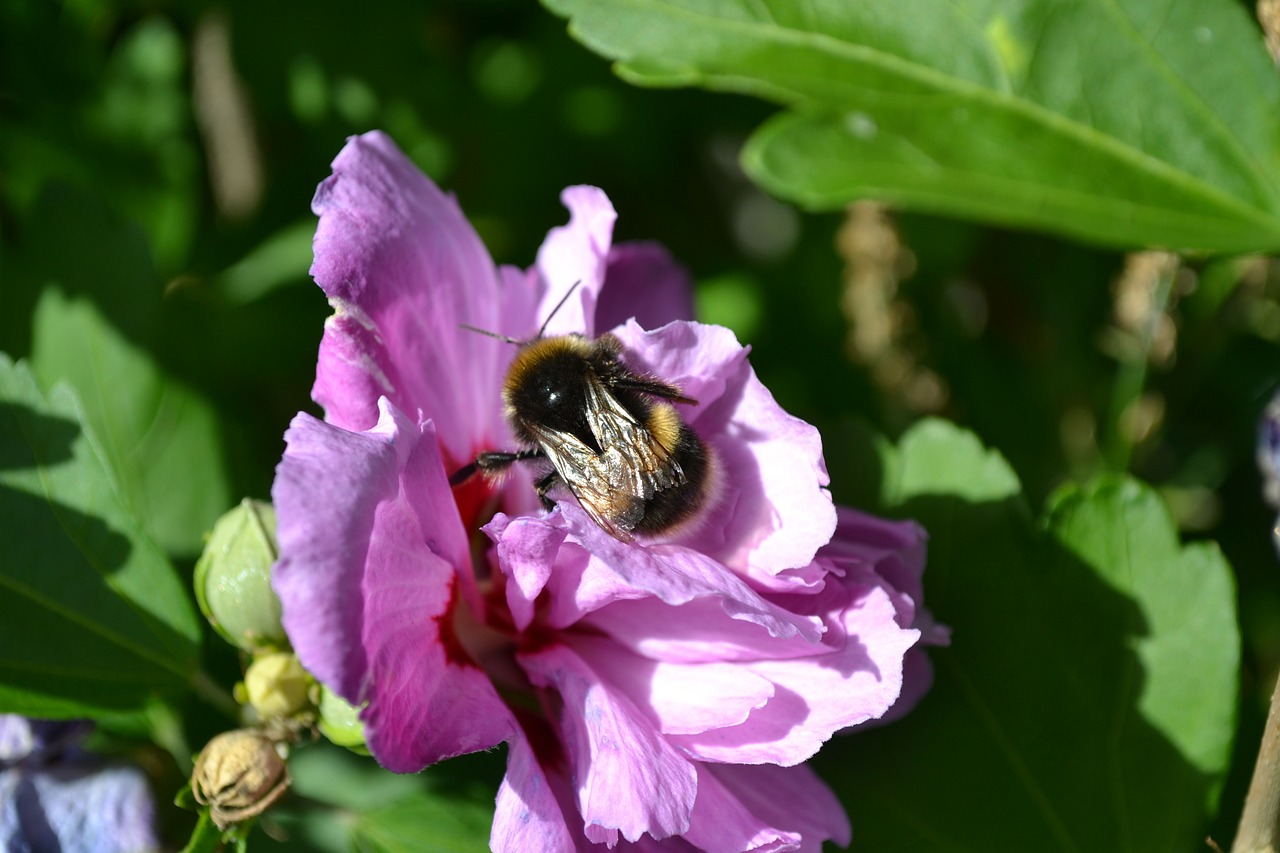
(238, 775)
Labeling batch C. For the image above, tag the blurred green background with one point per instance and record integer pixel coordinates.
(157, 161)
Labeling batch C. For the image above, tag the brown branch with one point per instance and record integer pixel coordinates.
(1260, 822)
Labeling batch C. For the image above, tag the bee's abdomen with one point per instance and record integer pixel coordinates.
(679, 503)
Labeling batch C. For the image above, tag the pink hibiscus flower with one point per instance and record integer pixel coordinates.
(661, 694)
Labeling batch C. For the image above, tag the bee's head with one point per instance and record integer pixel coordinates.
(547, 382)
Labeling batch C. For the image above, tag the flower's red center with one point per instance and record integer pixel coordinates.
(477, 500)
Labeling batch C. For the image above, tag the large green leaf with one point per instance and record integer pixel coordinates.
(92, 615)
(1128, 122)
(1088, 698)
(159, 436)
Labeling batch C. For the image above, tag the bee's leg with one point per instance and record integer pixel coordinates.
(544, 484)
(492, 462)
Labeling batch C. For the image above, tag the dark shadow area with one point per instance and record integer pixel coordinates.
(79, 621)
(28, 437)
(65, 633)
(1031, 737)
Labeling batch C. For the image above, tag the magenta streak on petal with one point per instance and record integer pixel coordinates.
(367, 620)
(629, 780)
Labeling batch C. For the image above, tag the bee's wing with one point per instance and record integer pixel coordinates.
(594, 483)
(634, 460)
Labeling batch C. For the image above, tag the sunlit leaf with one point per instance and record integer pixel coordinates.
(1129, 123)
(160, 437)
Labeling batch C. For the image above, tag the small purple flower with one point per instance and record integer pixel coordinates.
(661, 694)
(1269, 460)
(53, 796)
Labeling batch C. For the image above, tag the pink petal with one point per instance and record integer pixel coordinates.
(722, 823)
(698, 631)
(366, 524)
(629, 780)
(327, 489)
(527, 551)
(896, 551)
(528, 817)
(793, 798)
(402, 268)
(643, 282)
(592, 569)
(576, 254)
(774, 510)
(853, 676)
(680, 698)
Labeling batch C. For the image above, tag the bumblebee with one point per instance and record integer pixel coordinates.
(612, 436)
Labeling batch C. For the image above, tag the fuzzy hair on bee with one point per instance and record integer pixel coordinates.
(610, 434)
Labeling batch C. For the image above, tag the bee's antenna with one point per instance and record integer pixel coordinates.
(519, 343)
(559, 305)
(490, 334)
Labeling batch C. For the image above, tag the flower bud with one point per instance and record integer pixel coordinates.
(339, 721)
(238, 775)
(277, 685)
(233, 577)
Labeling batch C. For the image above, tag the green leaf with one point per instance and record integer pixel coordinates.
(436, 810)
(424, 822)
(1088, 697)
(1186, 642)
(1132, 122)
(282, 259)
(92, 615)
(159, 436)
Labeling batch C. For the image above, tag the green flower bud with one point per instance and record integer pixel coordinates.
(233, 578)
(277, 686)
(238, 775)
(340, 722)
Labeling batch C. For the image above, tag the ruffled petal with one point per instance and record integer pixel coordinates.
(773, 512)
(403, 268)
(591, 569)
(643, 282)
(722, 823)
(793, 798)
(680, 698)
(853, 676)
(629, 780)
(575, 254)
(370, 545)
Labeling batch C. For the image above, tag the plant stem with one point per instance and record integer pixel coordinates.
(209, 690)
(1260, 823)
